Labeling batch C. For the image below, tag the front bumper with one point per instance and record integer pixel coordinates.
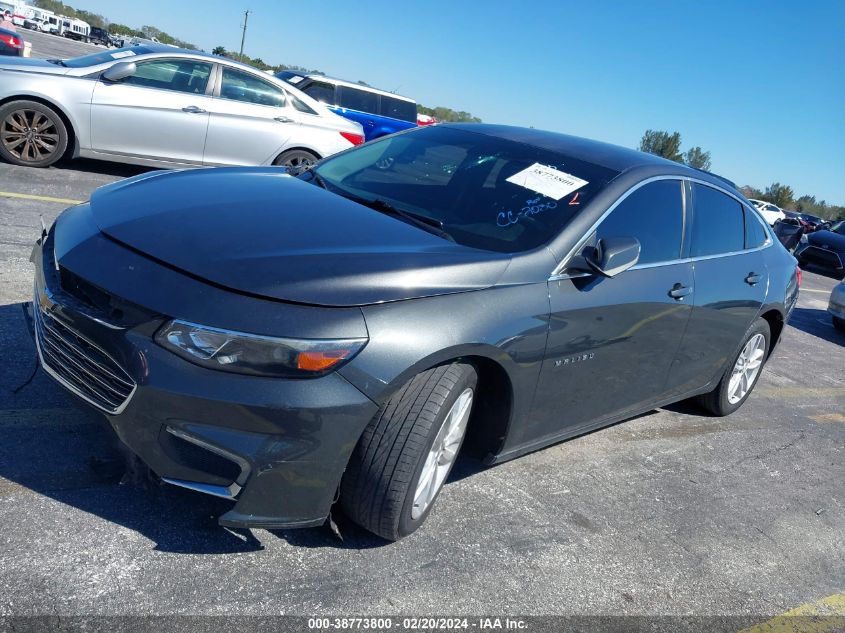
(277, 447)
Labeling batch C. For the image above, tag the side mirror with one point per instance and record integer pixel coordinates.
(614, 255)
(120, 71)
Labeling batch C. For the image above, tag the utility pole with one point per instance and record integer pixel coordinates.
(243, 35)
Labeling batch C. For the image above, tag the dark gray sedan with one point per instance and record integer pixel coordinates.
(287, 342)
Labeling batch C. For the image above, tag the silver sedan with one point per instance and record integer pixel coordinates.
(161, 107)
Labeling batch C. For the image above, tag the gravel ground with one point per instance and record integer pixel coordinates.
(672, 512)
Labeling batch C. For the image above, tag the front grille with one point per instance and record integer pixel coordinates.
(80, 365)
(821, 257)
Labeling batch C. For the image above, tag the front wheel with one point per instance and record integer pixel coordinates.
(31, 134)
(407, 451)
(742, 374)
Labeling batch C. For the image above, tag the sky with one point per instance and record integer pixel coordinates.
(759, 84)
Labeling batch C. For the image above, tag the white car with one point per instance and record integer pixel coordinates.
(836, 306)
(162, 107)
(770, 212)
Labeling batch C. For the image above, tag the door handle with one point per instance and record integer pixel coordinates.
(193, 109)
(283, 119)
(680, 291)
(752, 279)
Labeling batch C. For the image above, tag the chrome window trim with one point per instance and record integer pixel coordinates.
(558, 275)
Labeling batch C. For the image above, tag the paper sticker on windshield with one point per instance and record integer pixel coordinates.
(120, 54)
(548, 181)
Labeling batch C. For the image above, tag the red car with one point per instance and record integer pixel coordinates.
(10, 43)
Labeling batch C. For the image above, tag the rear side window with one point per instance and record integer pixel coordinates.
(654, 215)
(242, 86)
(755, 234)
(718, 225)
(172, 74)
(360, 100)
(320, 91)
(398, 109)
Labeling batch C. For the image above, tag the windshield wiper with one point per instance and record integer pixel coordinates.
(432, 225)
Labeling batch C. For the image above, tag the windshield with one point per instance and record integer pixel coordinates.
(117, 54)
(486, 192)
(839, 227)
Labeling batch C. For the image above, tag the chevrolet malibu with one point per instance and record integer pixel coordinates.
(288, 341)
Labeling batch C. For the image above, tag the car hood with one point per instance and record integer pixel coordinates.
(830, 239)
(30, 64)
(261, 232)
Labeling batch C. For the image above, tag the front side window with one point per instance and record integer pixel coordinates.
(654, 215)
(488, 192)
(718, 224)
(360, 100)
(181, 75)
(241, 86)
(320, 91)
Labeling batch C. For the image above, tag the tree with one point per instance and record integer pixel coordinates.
(751, 192)
(698, 158)
(778, 194)
(663, 144)
(218, 50)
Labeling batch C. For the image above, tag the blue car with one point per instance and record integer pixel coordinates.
(379, 112)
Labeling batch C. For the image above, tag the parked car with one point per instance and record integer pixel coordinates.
(824, 249)
(813, 222)
(100, 36)
(836, 307)
(379, 112)
(163, 107)
(33, 24)
(281, 340)
(771, 212)
(10, 44)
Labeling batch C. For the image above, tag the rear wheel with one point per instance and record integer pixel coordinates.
(31, 134)
(296, 160)
(742, 374)
(407, 451)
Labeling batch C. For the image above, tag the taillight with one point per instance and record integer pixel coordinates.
(798, 275)
(355, 139)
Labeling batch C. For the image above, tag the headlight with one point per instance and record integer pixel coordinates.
(804, 239)
(255, 354)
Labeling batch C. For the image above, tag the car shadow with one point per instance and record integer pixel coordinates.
(823, 272)
(104, 167)
(818, 323)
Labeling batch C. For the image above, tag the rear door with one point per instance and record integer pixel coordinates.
(251, 120)
(612, 340)
(361, 106)
(731, 281)
(159, 113)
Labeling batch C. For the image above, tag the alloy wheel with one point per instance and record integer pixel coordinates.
(746, 368)
(29, 135)
(297, 161)
(442, 454)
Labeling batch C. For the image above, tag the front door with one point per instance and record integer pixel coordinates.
(250, 122)
(159, 113)
(612, 340)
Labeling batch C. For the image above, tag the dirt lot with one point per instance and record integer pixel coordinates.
(670, 513)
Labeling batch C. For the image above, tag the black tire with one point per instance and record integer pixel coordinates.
(717, 402)
(296, 160)
(378, 488)
(38, 145)
(839, 324)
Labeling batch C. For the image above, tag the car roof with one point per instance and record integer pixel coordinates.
(351, 84)
(607, 155)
